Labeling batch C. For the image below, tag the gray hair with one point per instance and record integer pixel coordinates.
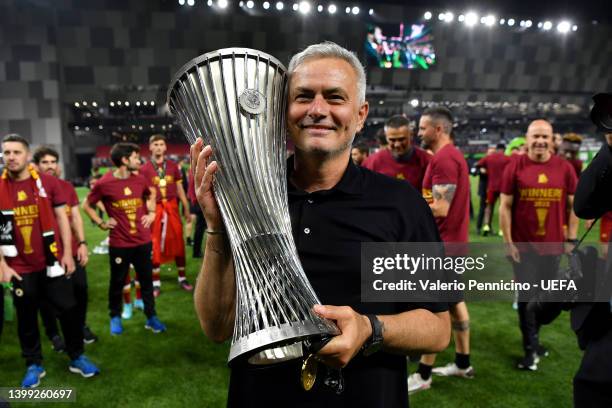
(328, 49)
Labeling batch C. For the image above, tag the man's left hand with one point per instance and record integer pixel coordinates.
(68, 264)
(355, 329)
(82, 255)
(147, 220)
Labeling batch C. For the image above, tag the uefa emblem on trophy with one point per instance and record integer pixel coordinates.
(235, 99)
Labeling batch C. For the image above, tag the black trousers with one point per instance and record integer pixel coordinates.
(482, 200)
(532, 268)
(198, 234)
(34, 291)
(48, 314)
(593, 381)
(120, 260)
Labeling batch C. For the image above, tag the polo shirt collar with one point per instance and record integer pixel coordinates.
(351, 182)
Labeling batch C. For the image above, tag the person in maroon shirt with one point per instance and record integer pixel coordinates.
(570, 147)
(168, 243)
(537, 194)
(359, 153)
(493, 165)
(46, 160)
(37, 258)
(129, 200)
(446, 187)
(401, 160)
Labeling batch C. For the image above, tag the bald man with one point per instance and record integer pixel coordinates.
(537, 196)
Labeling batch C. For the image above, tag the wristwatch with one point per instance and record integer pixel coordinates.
(375, 341)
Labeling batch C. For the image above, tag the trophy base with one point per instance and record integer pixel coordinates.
(276, 344)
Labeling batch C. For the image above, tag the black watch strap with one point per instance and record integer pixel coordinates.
(374, 343)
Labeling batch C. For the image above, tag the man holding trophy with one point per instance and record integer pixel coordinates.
(333, 207)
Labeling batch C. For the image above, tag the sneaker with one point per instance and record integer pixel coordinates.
(83, 366)
(156, 292)
(451, 369)
(138, 304)
(529, 362)
(32, 376)
(116, 327)
(127, 311)
(58, 343)
(88, 336)
(485, 230)
(417, 383)
(541, 351)
(185, 285)
(155, 325)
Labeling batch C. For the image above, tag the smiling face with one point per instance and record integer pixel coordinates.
(324, 111)
(399, 139)
(539, 140)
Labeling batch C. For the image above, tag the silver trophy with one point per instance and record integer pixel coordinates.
(235, 99)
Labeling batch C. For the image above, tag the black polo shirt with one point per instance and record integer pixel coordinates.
(329, 227)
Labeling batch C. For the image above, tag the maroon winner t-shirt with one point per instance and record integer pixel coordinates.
(540, 193)
(413, 170)
(448, 166)
(495, 163)
(124, 200)
(28, 234)
(166, 187)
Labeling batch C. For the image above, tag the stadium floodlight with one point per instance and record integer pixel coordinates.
(127, 103)
(319, 8)
(304, 7)
(210, 3)
(522, 23)
(511, 22)
(371, 11)
(414, 103)
(100, 127)
(355, 10)
(76, 128)
(331, 9)
(547, 25)
(76, 104)
(449, 16)
(181, 2)
(427, 15)
(574, 27)
(502, 21)
(295, 7)
(84, 103)
(191, 3)
(461, 18)
(441, 16)
(528, 23)
(87, 128)
(490, 20)
(348, 10)
(564, 27)
(94, 104)
(266, 5)
(280, 5)
(250, 4)
(137, 103)
(112, 104)
(152, 103)
(119, 103)
(241, 4)
(222, 4)
(145, 103)
(471, 19)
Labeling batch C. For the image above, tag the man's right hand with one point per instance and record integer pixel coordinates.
(513, 252)
(204, 171)
(108, 225)
(7, 273)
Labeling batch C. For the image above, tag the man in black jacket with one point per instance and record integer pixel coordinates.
(593, 321)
